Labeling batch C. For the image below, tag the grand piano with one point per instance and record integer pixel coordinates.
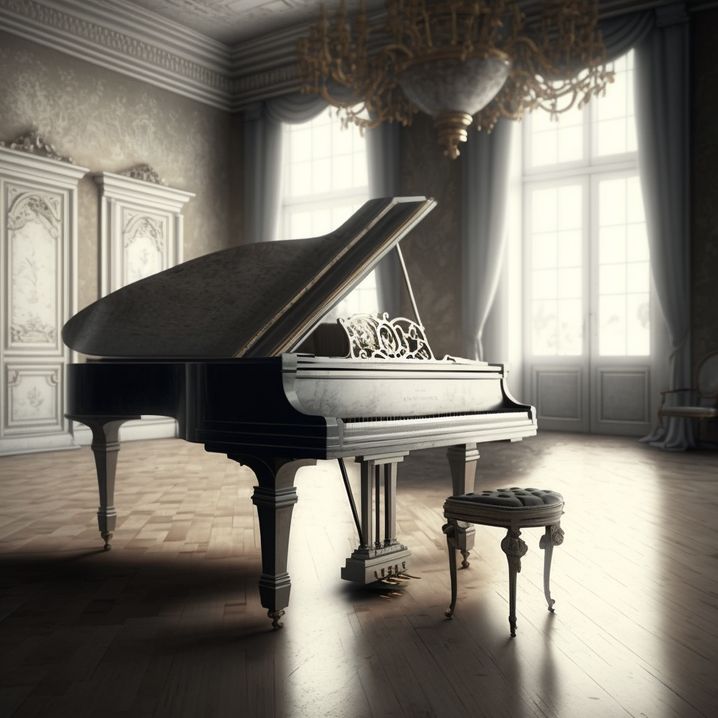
(213, 342)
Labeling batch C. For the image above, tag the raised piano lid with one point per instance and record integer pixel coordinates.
(253, 300)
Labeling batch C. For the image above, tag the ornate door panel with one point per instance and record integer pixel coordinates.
(38, 196)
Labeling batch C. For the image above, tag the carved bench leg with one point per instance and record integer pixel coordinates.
(514, 548)
(450, 529)
(553, 536)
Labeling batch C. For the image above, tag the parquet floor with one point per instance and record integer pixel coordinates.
(169, 623)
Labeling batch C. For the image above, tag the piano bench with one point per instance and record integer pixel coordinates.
(513, 509)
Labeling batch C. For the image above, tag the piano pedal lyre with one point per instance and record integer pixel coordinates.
(380, 558)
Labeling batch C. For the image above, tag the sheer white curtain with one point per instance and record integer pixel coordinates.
(262, 165)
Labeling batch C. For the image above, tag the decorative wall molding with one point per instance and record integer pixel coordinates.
(136, 212)
(38, 271)
(622, 403)
(124, 37)
(31, 141)
(145, 173)
(560, 393)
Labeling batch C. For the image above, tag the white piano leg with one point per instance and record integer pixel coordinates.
(105, 445)
(463, 459)
(274, 498)
(376, 557)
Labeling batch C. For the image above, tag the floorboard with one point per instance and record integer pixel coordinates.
(169, 623)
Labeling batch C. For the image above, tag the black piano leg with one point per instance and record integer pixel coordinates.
(274, 498)
(105, 445)
(462, 461)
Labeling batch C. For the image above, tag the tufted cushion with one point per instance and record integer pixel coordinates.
(512, 507)
(514, 497)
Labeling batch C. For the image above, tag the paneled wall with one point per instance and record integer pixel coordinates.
(38, 263)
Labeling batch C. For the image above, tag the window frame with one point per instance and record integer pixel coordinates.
(589, 171)
(326, 201)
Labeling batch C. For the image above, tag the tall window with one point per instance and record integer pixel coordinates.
(584, 229)
(324, 182)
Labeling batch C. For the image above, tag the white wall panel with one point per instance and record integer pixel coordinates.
(38, 257)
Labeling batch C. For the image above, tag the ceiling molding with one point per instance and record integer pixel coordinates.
(124, 37)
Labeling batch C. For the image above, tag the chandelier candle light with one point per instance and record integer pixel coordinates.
(460, 61)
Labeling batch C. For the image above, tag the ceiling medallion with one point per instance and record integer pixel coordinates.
(459, 61)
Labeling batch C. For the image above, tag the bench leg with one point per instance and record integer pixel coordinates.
(514, 547)
(553, 536)
(450, 530)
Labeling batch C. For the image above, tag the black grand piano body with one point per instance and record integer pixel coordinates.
(215, 353)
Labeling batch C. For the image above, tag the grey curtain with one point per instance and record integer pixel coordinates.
(262, 140)
(485, 176)
(662, 117)
(383, 160)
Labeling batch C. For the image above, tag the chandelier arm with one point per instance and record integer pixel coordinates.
(430, 53)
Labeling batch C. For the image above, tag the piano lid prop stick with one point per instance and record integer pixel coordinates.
(350, 496)
(407, 282)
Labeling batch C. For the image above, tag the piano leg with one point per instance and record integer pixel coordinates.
(462, 462)
(274, 498)
(105, 445)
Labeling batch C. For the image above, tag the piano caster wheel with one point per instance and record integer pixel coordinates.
(107, 538)
(276, 616)
(465, 559)
(449, 613)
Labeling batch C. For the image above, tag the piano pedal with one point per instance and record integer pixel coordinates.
(407, 575)
(391, 581)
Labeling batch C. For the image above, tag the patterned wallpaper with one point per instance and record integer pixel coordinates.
(106, 121)
(704, 186)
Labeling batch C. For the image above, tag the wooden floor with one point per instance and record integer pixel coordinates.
(169, 623)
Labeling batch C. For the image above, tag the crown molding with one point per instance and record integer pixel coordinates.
(126, 38)
(122, 186)
(38, 167)
(129, 40)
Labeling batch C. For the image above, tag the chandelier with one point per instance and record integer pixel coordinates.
(459, 61)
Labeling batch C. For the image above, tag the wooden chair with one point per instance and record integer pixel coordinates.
(512, 509)
(701, 402)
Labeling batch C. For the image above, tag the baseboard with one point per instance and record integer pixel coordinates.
(36, 444)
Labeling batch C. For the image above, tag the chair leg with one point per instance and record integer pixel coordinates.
(553, 536)
(514, 547)
(450, 530)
